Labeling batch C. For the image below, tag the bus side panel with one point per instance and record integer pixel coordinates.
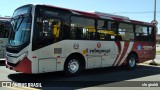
(51, 58)
(97, 53)
(126, 48)
(145, 51)
(47, 65)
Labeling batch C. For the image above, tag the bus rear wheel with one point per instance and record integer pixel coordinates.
(72, 66)
(131, 62)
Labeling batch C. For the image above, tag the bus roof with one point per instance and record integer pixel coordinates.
(103, 16)
(5, 18)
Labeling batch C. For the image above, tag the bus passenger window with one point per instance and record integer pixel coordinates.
(51, 28)
(66, 31)
(48, 31)
(141, 33)
(106, 30)
(5, 27)
(2, 30)
(82, 28)
(125, 31)
(151, 33)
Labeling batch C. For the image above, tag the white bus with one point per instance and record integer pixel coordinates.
(48, 39)
(5, 27)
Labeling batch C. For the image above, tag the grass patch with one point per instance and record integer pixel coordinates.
(157, 52)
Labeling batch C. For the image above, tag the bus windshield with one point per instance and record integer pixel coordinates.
(21, 26)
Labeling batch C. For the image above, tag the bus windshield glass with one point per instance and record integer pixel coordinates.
(21, 26)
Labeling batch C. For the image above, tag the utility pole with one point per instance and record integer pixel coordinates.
(155, 12)
(156, 23)
(155, 3)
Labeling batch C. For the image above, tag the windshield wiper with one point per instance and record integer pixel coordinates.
(20, 22)
(15, 28)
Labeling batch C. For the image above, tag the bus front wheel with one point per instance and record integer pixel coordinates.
(131, 62)
(72, 66)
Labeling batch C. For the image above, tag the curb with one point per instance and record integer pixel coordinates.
(153, 63)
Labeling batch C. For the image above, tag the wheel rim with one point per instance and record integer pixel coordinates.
(73, 66)
(132, 62)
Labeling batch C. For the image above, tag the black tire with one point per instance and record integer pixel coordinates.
(131, 62)
(72, 66)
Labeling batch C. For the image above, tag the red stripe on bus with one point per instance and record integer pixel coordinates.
(126, 44)
(119, 50)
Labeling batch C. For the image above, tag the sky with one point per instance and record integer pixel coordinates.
(141, 10)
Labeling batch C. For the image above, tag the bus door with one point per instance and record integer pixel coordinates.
(50, 34)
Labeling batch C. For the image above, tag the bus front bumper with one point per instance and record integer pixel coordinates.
(22, 66)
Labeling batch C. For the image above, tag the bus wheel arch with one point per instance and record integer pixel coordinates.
(74, 64)
(132, 60)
